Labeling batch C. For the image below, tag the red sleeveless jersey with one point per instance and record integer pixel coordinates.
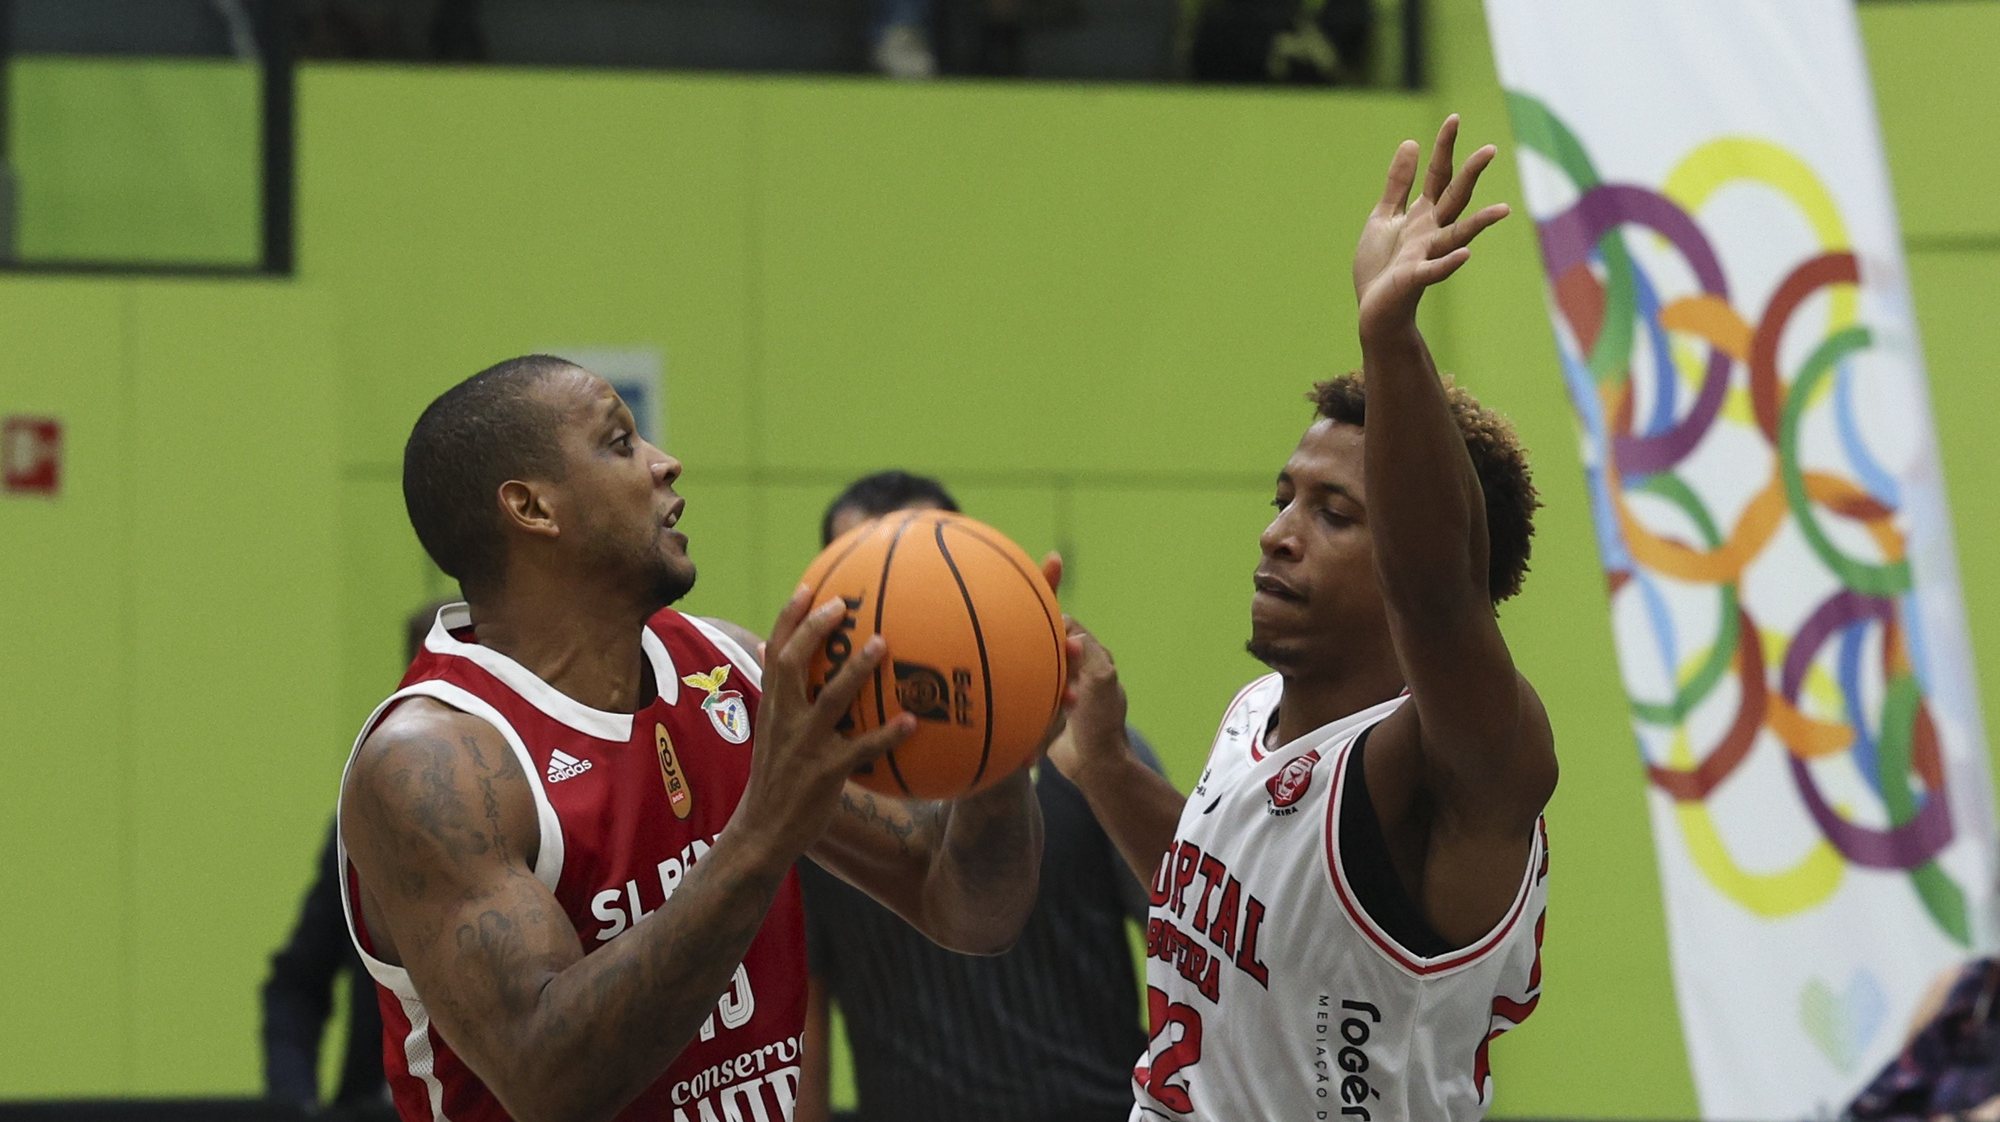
(627, 803)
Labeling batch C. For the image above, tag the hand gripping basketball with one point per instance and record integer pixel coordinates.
(975, 652)
(798, 762)
(1095, 707)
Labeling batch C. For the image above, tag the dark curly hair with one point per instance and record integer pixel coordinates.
(1497, 457)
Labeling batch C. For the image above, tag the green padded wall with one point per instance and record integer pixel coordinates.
(1093, 310)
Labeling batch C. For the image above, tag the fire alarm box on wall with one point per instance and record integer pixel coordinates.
(31, 453)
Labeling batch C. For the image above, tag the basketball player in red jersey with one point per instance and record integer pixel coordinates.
(570, 836)
(1354, 960)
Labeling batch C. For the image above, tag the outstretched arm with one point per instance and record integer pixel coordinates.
(1474, 748)
(440, 825)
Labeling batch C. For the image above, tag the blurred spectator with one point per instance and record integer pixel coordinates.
(899, 42)
(908, 41)
(1299, 42)
(1046, 1032)
(1950, 1068)
(298, 1000)
(298, 996)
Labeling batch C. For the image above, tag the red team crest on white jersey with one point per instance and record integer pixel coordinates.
(1291, 783)
(1272, 993)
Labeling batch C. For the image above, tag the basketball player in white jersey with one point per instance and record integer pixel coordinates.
(1348, 907)
(571, 835)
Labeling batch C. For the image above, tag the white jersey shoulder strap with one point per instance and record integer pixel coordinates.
(548, 860)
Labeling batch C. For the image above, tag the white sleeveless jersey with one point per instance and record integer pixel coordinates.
(1271, 994)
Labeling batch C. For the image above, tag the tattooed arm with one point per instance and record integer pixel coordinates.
(441, 827)
(964, 873)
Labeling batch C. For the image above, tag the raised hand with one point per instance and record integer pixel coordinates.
(1408, 246)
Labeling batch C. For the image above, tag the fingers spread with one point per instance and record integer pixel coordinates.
(1439, 175)
(877, 742)
(1459, 234)
(797, 648)
(789, 617)
(1459, 195)
(1438, 268)
(1402, 172)
(840, 693)
(1487, 217)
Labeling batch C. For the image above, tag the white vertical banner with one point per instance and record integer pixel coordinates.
(1726, 281)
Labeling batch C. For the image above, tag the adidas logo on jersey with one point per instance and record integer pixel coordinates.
(563, 766)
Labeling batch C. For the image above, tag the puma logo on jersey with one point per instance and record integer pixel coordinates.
(563, 766)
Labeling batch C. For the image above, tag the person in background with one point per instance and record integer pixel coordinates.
(899, 39)
(907, 37)
(1047, 1030)
(1950, 1066)
(298, 996)
(1284, 42)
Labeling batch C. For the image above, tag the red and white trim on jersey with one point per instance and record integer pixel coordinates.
(548, 699)
(729, 646)
(1262, 966)
(1509, 1013)
(1383, 942)
(1255, 739)
(638, 799)
(548, 858)
(417, 1054)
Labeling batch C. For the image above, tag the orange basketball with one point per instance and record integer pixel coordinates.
(975, 642)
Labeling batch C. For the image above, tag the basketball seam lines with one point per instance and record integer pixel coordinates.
(881, 704)
(812, 598)
(835, 567)
(1055, 629)
(979, 640)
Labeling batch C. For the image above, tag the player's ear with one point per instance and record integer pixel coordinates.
(529, 508)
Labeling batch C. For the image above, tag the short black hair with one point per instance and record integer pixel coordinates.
(478, 434)
(885, 491)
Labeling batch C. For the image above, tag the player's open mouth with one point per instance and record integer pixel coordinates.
(674, 515)
(1272, 586)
